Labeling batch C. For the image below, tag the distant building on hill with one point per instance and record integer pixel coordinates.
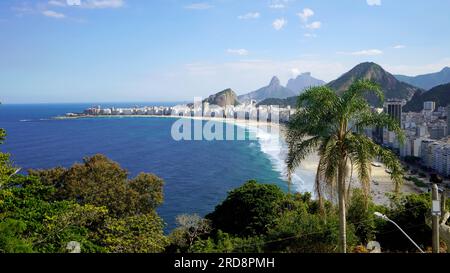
(429, 106)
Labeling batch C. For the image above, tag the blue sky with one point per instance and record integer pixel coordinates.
(171, 50)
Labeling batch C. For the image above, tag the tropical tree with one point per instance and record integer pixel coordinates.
(6, 168)
(248, 210)
(333, 125)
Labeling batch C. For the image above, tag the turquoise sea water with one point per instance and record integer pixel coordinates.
(198, 174)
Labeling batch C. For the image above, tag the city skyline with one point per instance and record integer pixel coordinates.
(125, 50)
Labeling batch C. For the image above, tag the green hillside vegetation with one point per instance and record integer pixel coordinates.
(291, 101)
(223, 98)
(391, 87)
(440, 94)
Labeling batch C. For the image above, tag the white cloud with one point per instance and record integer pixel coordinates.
(53, 14)
(250, 15)
(367, 52)
(305, 14)
(374, 2)
(247, 75)
(73, 2)
(59, 3)
(310, 35)
(278, 24)
(295, 72)
(314, 25)
(102, 4)
(88, 4)
(240, 52)
(198, 6)
(277, 6)
(399, 46)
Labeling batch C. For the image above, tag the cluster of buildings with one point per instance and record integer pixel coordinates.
(427, 135)
(248, 111)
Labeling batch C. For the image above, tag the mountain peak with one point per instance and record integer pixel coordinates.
(275, 81)
(369, 65)
(428, 81)
(302, 82)
(392, 88)
(223, 98)
(273, 90)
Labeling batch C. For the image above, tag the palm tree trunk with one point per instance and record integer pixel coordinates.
(342, 208)
(349, 191)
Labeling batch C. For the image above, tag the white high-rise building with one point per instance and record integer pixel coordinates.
(429, 106)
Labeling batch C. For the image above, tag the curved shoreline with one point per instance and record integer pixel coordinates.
(270, 137)
(273, 145)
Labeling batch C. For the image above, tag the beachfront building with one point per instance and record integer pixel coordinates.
(436, 156)
(247, 111)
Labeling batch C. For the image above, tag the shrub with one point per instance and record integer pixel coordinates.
(301, 232)
(249, 210)
(226, 243)
(410, 213)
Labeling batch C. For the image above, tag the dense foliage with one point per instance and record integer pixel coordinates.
(92, 203)
(411, 213)
(254, 208)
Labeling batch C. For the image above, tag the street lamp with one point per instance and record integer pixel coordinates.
(384, 217)
(15, 172)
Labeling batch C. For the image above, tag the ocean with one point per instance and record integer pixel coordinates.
(197, 174)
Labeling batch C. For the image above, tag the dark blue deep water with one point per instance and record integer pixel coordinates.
(197, 174)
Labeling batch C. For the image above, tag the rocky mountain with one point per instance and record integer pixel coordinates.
(392, 88)
(302, 82)
(273, 90)
(440, 94)
(223, 98)
(427, 81)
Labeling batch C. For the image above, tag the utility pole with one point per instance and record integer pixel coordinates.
(436, 214)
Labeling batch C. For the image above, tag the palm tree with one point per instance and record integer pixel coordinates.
(333, 125)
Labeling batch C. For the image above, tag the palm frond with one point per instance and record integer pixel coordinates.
(390, 160)
(299, 149)
(360, 88)
(370, 119)
(361, 152)
(330, 155)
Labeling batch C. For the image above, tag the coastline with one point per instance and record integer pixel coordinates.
(272, 141)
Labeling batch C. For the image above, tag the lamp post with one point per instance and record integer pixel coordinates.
(384, 217)
(15, 172)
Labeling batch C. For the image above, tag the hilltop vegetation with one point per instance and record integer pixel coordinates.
(223, 98)
(291, 101)
(391, 87)
(92, 203)
(440, 95)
